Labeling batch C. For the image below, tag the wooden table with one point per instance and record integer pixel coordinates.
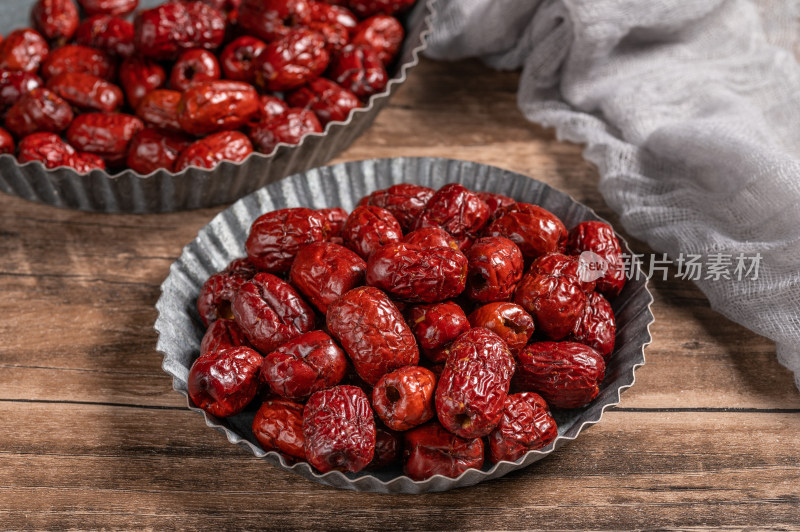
(94, 437)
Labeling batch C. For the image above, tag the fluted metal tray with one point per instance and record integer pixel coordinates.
(180, 329)
(193, 188)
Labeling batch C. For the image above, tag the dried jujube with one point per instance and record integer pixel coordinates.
(271, 312)
(534, 229)
(599, 238)
(224, 382)
(495, 267)
(403, 398)
(457, 210)
(372, 331)
(405, 201)
(304, 365)
(431, 450)
(368, 228)
(415, 274)
(566, 374)
(597, 327)
(435, 326)
(277, 236)
(473, 386)
(323, 271)
(552, 295)
(278, 426)
(339, 430)
(508, 320)
(526, 425)
(223, 334)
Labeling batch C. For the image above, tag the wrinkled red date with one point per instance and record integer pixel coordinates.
(414, 274)
(104, 134)
(271, 19)
(508, 320)
(495, 269)
(224, 382)
(163, 32)
(39, 110)
(56, 20)
(104, 32)
(83, 162)
(599, 238)
(372, 331)
(329, 101)
(359, 69)
(403, 398)
(332, 14)
(278, 426)
(455, 209)
(193, 66)
(336, 218)
(431, 450)
(269, 108)
(431, 237)
(552, 295)
(336, 37)
(159, 108)
(24, 50)
(218, 291)
(495, 202)
(382, 33)
(78, 59)
(210, 106)
(223, 334)
(271, 312)
(435, 326)
(473, 386)
(405, 201)
(277, 236)
(13, 84)
(86, 91)
(238, 58)
(526, 425)
(138, 76)
(306, 364)
(597, 327)
(288, 127)
(109, 7)
(208, 152)
(565, 374)
(368, 228)
(323, 271)
(339, 430)
(49, 149)
(535, 230)
(291, 61)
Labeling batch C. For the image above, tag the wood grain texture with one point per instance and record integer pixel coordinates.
(94, 437)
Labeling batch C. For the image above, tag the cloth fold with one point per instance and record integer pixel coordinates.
(691, 111)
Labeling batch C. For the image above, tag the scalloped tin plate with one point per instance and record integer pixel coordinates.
(222, 240)
(195, 188)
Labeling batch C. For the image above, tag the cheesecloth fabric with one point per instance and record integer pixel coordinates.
(691, 111)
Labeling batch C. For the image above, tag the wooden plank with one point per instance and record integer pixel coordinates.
(632, 470)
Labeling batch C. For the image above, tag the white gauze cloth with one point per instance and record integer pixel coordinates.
(691, 111)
